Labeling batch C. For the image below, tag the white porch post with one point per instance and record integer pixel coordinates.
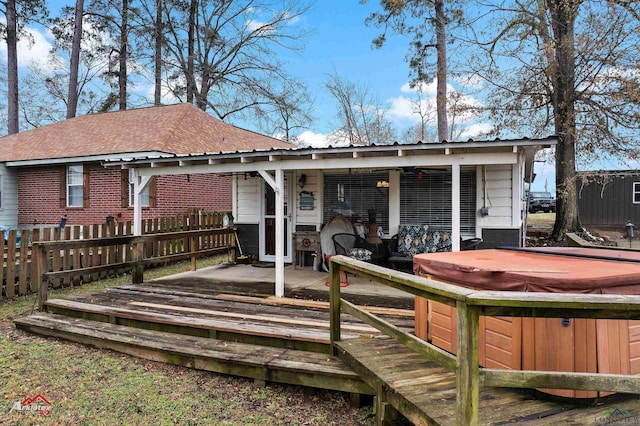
(278, 188)
(139, 184)
(455, 206)
(280, 231)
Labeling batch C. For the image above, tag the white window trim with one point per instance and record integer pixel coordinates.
(636, 190)
(145, 191)
(81, 185)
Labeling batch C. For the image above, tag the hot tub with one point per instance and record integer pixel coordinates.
(553, 344)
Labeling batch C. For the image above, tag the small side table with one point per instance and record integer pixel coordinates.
(305, 241)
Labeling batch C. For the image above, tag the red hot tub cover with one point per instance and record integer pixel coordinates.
(550, 271)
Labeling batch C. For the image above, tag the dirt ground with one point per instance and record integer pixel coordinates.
(540, 225)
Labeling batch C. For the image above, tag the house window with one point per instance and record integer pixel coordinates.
(75, 186)
(144, 197)
(425, 198)
(354, 195)
(636, 192)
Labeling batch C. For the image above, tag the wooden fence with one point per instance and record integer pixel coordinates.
(19, 269)
(471, 304)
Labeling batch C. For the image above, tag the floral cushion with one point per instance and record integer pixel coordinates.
(438, 241)
(412, 239)
(360, 254)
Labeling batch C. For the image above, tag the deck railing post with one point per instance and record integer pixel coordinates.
(41, 257)
(334, 303)
(468, 368)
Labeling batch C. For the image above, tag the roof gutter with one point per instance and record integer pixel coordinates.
(126, 156)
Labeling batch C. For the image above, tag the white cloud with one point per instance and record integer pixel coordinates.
(404, 108)
(166, 95)
(32, 49)
(314, 140)
(321, 140)
(474, 130)
(428, 89)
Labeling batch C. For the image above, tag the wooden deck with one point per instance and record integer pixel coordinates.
(242, 331)
(426, 392)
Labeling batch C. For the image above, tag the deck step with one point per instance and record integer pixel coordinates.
(301, 325)
(240, 359)
(425, 393)
(253, 332)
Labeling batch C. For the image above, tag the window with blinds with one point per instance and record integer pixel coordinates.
(425, 198)
(354, 195)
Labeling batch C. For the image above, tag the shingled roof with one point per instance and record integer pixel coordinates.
(174, 129)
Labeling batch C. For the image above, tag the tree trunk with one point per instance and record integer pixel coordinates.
(441, 74)
(124, 41)
(12, 68)
(562, 14)
(191, 51)
(159, 38)
(72, 98)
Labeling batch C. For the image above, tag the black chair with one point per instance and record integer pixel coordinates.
(344, 243)
(470, 244)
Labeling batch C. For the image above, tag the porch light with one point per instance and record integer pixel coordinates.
(382, 184)
(302, 181)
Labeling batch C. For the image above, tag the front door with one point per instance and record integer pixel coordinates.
(268, 222)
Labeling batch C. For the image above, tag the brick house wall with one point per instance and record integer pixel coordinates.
(41, 196)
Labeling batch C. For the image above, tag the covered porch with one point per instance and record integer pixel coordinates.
(471, 189)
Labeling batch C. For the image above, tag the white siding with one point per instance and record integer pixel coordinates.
(246, 199)
(313, 185)
(499, 192)
(9, 207)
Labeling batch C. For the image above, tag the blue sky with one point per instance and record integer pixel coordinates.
(339, 42)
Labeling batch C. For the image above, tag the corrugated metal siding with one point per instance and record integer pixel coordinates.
(9, 207)
(492, 238)
(610, 203)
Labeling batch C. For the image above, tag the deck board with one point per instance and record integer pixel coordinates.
(295, 324)
(286, 340)
(425, 393)
(258, 362)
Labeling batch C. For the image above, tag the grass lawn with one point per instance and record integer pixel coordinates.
(100, 387)
(541, 218)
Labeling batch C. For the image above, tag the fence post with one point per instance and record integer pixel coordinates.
(137, 274)
(334, 304)
(468, 368)
(193, 249)
(41, 257)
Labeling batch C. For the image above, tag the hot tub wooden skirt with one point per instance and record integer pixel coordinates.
(553, 344)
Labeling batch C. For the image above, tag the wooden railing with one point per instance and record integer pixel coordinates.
(69, 261)
(471, 304)
(18, 269)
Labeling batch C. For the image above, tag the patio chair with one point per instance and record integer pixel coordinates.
(354, 246)
(470, 244)
(415, 239)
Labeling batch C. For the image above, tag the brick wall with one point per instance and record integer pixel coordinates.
(39, 196)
